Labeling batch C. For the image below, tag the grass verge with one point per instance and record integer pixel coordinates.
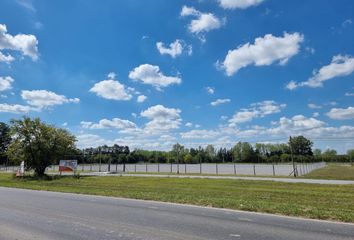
(333, 171)
(307, 200)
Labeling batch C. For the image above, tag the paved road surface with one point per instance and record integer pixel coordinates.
(28, 214)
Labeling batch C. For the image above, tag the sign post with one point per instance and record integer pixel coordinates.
(21, 170)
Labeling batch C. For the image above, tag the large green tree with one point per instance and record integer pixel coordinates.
(5, 140)
(39, 144)
(300, 145)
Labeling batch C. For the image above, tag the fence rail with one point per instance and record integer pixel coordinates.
(204, 168)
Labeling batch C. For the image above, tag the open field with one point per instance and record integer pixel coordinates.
(333, 171)
(307, 200)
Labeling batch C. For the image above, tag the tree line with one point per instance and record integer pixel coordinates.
(40, 145)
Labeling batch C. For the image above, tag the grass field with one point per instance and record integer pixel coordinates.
(333, 171)
(307, 200)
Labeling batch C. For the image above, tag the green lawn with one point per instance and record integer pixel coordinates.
(307, 200)
(333, 171)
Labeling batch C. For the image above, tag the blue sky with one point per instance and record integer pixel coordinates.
(149, 74)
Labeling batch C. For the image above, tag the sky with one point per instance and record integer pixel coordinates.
(149, 74)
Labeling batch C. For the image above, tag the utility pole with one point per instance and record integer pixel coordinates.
(177, 159)
(292, 157)
(100, 157)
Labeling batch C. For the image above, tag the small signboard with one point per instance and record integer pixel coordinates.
(67, 165)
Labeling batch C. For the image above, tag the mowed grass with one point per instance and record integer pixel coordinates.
(332, 202)
(333, 171)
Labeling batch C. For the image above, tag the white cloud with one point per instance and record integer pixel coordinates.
(200, 134)
(90, 140)
(203, 22)
(242, 4)
(175, 48)
(6, 59)
(141, 98)
(314, 106)
(111, 75)
(14, 108)
(25, 43)
(265, 51)
(347, 22)
(115, 123)
(161, 119)
(340, 66)
(189, 124)
(316, 114)
(220, 101)
(341, 113)
(27, 4)
(5, 83)
(111, 89)
(43, 98)
(257, 110)
(210, 90)
(347, 94)
(150, 74)
(291, 85)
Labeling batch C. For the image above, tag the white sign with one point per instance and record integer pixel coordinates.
(67, 165)
(21, 170)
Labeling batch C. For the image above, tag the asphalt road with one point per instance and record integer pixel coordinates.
(28, 214)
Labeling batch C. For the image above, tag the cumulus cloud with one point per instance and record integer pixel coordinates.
(6, 58)
(341, 113)
(115, 123)
(202, 22)
(189, 124)
(241, 4)
(256, 110)
(314, 106)
(263, 52)
(340, 66)
(5, 83)
(111, 89)
(220, 101)
(91, 140)
(14, 108)
(200, 134)
(141, 98)
(43, 98)
(210, 90)
(175, 48)
(161, 119)
(24, 43)
(151, 75)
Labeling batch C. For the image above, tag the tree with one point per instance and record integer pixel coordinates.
(317, 152)
(301, 146)
(350, 154)
(39, 144)
(210, 152)
(329, 155)
(5, 140)
(243, 152)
